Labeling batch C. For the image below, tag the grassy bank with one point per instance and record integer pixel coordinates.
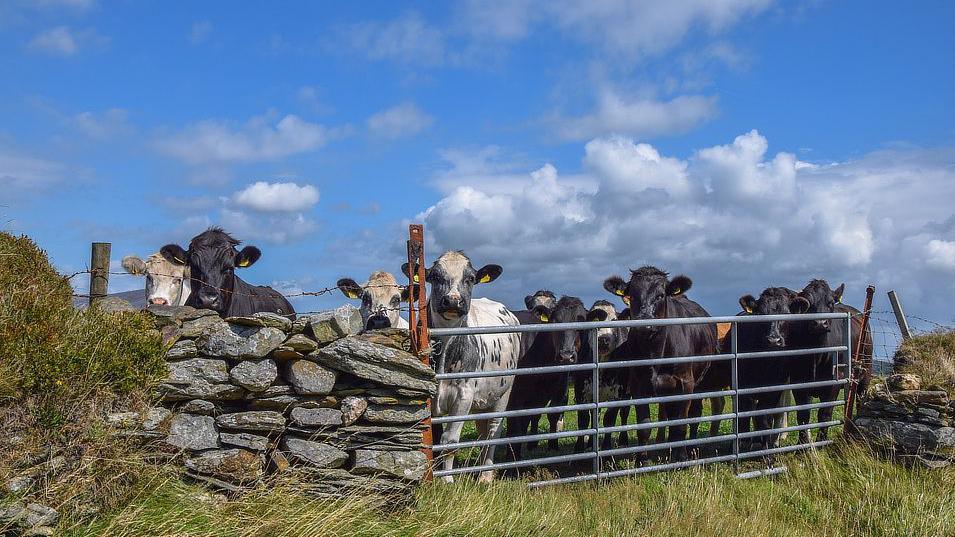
(839, 492)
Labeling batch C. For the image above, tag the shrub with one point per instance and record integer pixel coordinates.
(930, 356)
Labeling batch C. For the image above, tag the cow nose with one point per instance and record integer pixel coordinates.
(451, 301)
(158, 301)
(822, 324)
(567, 356)
(775, 340)
(603, 340)
(377, 322)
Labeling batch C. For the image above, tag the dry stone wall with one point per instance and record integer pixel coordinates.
(910, 421)
(246, 397)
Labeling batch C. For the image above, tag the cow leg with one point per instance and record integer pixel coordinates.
(583, 422)
(717, 406)
(825, 414)
(696, 411)
(661, 430)
(491, 430)
(556, 419)
(451, 434)
(643, 416)
(803, 397)
(534, 422)
(516, 426)
(623, 439)
(610, 419)
(677, 410)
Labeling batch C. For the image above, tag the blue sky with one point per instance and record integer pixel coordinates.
(745, 143)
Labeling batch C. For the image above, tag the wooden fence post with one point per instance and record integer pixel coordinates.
(99, 271)
(418, 321)
(899, 315)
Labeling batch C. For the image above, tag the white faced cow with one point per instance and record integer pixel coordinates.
(452, 278)
(167, 284)
(381, 298)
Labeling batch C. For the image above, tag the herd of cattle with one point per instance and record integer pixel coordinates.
(204, 276)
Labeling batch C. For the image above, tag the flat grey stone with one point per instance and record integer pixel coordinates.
(240, 342)
(328, 326)
(408, 465)
(314, 453)
(191, 370)
(245, 440)
(123, 419)
(316, 417)
(184, 348)
(300, 343)
(192, 432)
(266, 421)
(200, 390)
(352, 408)
(194, 328)
(377, 363)
(309, 378)
(199, 406)
(234, 465)
(395, 414)
(154, 418)
(254, 375)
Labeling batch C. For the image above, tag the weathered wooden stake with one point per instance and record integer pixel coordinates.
(418, 321)
(899, 315)
(99, 271)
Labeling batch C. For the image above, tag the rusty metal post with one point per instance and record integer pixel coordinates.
(99, 271)
(418, 322)
(866, 372)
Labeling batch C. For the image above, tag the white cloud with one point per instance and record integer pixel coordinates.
(941, 254)
(734, 217)
(275, 228)
(276, 197)
(640, 117)
(200, 32)
(19, 173)
(65, 41)
(405, 119)
(407, 39)
(217, 142)
(102, 126)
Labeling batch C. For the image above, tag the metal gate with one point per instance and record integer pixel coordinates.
(841, 372)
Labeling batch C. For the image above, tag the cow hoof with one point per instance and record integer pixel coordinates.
(486, 476)
(553, 445)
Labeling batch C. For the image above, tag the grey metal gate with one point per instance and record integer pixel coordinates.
(841, 373)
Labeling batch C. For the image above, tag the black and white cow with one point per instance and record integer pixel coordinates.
(614, 383)
(452, 279)
(212, 259)
(381, 299)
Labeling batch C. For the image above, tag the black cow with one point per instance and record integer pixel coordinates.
(212, 259)
(571, 346)
(766, 336)
(536, 391)
(653, 296)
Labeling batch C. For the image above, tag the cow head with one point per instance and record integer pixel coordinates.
(821, 299)
(167, 284)
(381, 298)
(452, 278)
(647, 290)
(608, 339)
(212, 258)
(540, 298)
(773, 301)
(569, 309)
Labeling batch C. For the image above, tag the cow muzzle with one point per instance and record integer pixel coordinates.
(451, 307)
(158, 301)
(377, 322)
(567, 357)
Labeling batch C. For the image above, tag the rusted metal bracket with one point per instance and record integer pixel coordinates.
(418, 322)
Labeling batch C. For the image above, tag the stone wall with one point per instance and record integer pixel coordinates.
(247, 397)
(909, 421)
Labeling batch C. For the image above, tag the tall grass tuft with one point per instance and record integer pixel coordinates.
(930, 356)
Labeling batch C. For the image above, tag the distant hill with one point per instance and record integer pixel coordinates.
(137, 298)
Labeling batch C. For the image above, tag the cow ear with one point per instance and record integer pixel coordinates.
(408, 292)
(528, 300)
(174, 254)
(837, 293)
(748, 303)
(799, 305)
(625, 314)
(406, 272)
(542, 312)
(615, 285)
(488, 273)
(349, 288)
(597, 314)
(679, 285)
(248, 256)
(134, 265)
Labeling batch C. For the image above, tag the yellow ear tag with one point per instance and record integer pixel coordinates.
(749, 309)
(677, 291)
(181, 262)
(484, 279)
(244, 263)
(544, 317)
(619, 292)
(352, 294)
(415, 277)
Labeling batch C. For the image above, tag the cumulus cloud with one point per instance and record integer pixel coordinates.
(639, 117)
(734, 217)
(65, 41)
(276, 197)
(273, 228)
(102, 126)
(218, 142)
(405, 119)
(407, 39)
(20, 173)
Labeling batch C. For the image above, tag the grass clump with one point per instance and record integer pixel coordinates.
(842, 491)
(930, 356)
(61, 371)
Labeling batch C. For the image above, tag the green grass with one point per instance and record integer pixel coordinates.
(842, 491)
